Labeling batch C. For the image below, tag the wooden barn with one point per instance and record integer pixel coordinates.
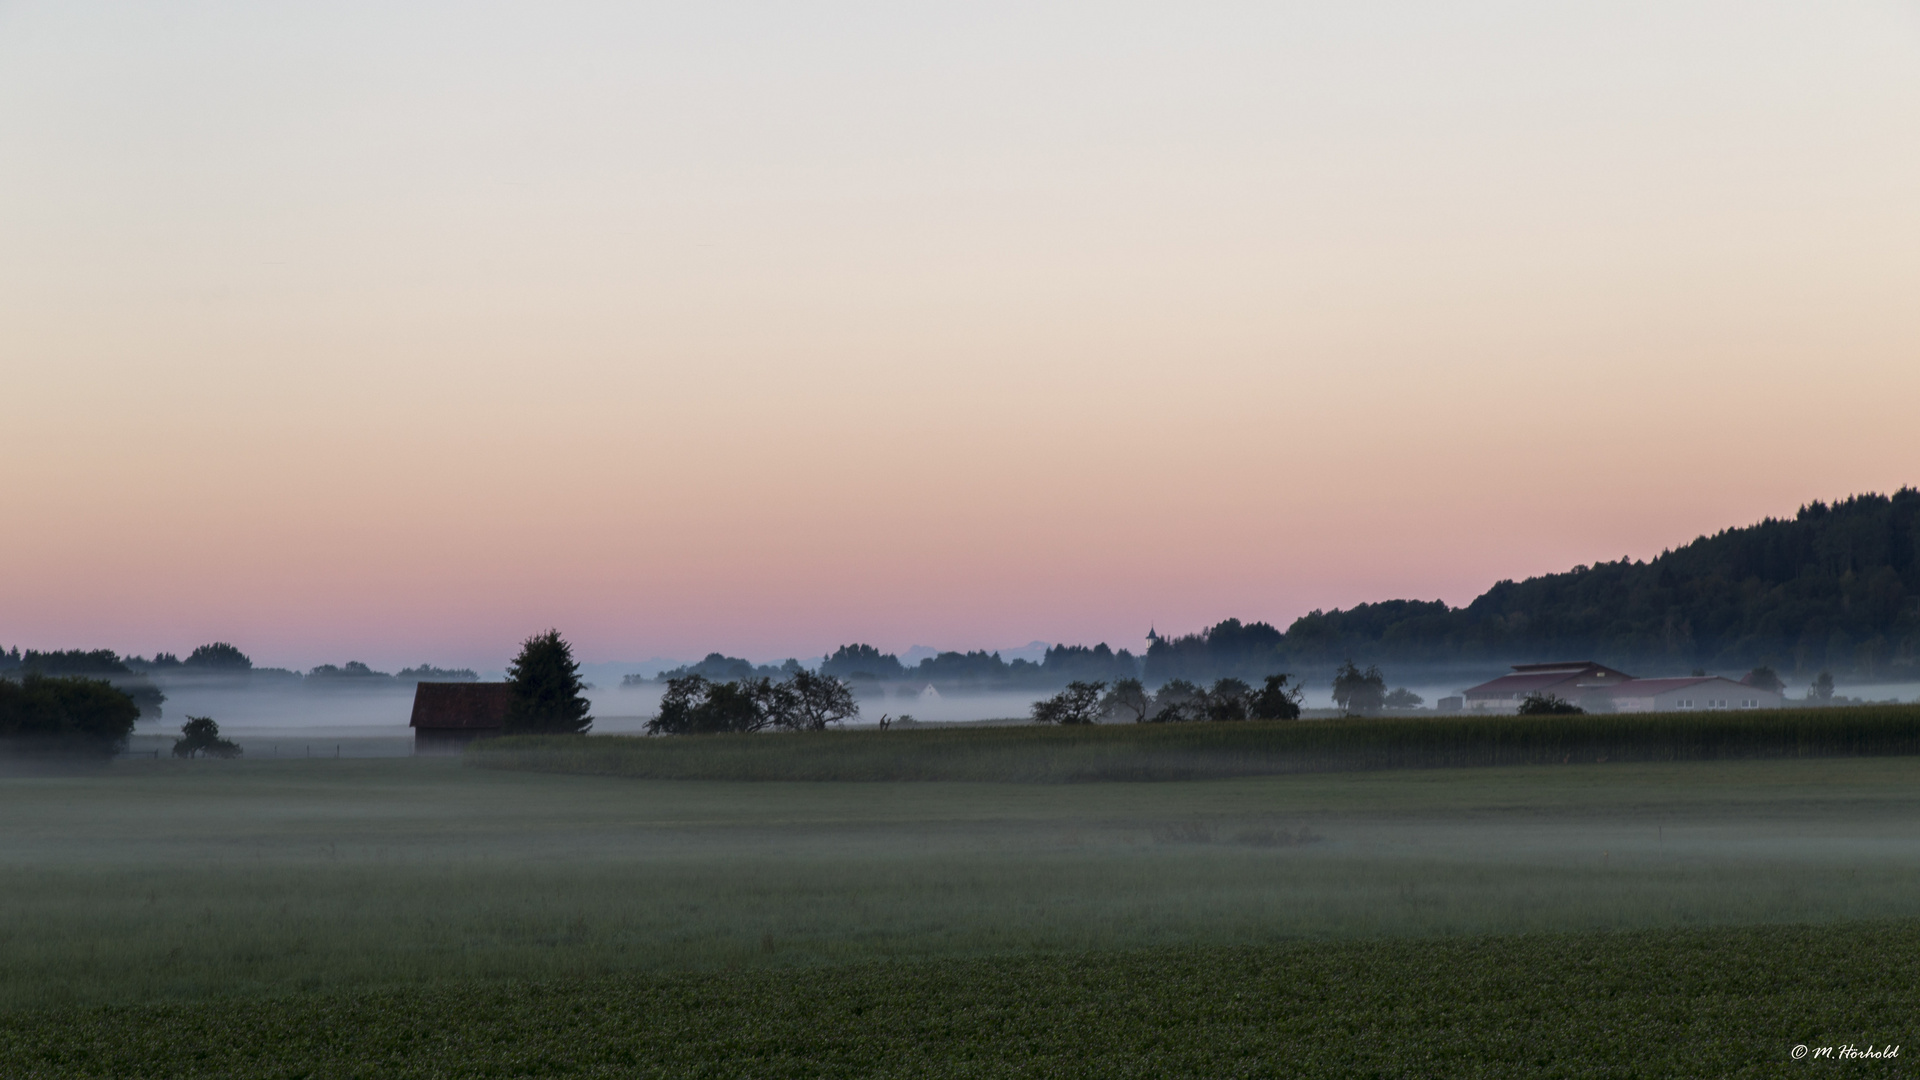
(449, 715)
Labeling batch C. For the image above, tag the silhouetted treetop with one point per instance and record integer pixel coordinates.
(218, 656)
(862, 662)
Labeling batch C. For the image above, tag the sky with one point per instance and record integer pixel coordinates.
(401, 331)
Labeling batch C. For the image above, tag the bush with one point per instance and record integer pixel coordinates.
(1548, 705)
(200, 735)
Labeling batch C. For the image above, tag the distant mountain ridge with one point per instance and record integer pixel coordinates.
(1834, 587)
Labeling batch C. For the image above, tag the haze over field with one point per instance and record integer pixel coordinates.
(396, 331)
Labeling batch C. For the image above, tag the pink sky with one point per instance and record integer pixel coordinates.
(962, 328)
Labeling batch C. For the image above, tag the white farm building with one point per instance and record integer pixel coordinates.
(1597, 688)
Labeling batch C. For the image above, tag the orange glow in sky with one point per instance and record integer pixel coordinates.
(398, 332)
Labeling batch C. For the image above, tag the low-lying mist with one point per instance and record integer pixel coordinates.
(171, 879)
(372, 721)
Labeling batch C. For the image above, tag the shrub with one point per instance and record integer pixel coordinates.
(200, 735)
(1548, 705)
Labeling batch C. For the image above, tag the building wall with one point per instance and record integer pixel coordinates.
(448, 740)
(1719, 695)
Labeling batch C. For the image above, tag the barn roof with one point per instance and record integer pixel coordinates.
(461, 706)
(1509, 685)
(1569, 667)
(1534, 678)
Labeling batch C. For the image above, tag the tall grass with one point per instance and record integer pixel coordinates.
(1200, 751)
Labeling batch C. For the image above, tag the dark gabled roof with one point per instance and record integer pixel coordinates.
(461, 706)
(1534, 678)
(1574, 667)
(1510, 685)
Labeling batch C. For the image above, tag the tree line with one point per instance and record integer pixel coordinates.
(1177, 701)
(803, 701)
(142, 676)
(1836, 586)
(1059, 664)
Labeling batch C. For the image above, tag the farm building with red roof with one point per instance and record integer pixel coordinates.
(1597, 688)
(448, 716)
(1569, 681)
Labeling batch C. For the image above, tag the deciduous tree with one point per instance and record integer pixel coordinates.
(200, 735)
(1357, 691)
(1079, 703)
(1179, 701)
(1276, 700)
(816, 701)
(1127, 700)
(1228, 700)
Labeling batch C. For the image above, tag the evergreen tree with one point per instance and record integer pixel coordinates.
(549, 697)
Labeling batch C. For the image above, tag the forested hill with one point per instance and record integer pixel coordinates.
(1834, 587)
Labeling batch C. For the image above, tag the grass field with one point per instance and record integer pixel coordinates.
(158, 881)
(1680, 1003)
(1133, 752)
